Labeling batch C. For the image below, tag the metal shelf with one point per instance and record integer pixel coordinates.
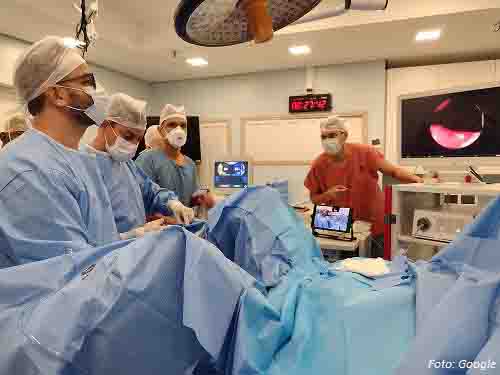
(451, 188)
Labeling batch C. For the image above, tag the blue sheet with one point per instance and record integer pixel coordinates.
(152, 306)
(256, 230)
(457, 300)
(313, 320)
(323, 324)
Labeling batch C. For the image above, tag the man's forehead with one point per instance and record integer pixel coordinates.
(332, 131)
(138, 132)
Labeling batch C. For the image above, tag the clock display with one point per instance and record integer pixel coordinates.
(310, 103)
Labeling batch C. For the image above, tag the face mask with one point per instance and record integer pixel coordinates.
(331, 146)
(121, 150)
(177, 137)
(96, 112)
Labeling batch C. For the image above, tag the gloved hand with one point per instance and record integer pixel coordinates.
(153, 226)
(182, 213)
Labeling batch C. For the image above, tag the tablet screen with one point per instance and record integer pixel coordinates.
(332, 218)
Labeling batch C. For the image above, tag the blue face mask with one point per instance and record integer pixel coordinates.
(332, 146)
(97, 111)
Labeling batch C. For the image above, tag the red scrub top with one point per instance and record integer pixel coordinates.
(357, 172)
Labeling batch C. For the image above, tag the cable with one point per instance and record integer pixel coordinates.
(87, 18)
(82, 28)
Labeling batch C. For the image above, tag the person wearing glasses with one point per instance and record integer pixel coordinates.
(346, 175)
(53, 197)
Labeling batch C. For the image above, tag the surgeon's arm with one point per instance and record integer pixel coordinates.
(396, 172)
(155, 198)
(145, 164)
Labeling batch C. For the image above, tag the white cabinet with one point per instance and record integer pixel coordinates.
(446, 203)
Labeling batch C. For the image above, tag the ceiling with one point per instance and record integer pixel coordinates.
(138, 38)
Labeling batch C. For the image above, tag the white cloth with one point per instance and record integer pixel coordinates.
(364, 266)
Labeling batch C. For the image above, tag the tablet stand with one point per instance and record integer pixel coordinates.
(337, 237)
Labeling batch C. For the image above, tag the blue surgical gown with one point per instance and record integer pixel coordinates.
(182, 180)
(155, 306)
(133, 194)
(53, 201)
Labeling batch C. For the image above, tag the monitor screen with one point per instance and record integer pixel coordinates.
(459, 124)
(332, 218)
(231, 174)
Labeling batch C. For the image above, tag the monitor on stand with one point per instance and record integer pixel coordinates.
(231, 175)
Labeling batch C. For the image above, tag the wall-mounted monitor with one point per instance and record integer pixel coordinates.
(460, 124)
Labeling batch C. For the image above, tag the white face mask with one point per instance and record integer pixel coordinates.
(177, 137)
(332, 146)
(97, 111)
(121, 150)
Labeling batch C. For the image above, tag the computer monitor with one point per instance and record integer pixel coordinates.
(231, 175)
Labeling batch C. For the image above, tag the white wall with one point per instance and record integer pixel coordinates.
(409, 81)
(11, 48)
(354, 88)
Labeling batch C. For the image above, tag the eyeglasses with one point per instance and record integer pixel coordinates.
(89, 77)
(331, 135)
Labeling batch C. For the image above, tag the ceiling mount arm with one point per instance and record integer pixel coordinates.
(341, 9)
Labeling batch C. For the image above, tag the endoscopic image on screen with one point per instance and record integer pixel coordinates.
(462, 124)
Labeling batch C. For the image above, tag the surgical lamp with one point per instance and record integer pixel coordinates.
(215, 23)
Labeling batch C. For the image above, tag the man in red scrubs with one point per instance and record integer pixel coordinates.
(346, 175)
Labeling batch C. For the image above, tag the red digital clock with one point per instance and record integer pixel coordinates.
(310, 103)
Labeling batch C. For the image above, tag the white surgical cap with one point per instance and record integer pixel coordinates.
(16, 123)
(171, 112)
(333, 123)
(127, 111)
(152, 137)
(45, 63)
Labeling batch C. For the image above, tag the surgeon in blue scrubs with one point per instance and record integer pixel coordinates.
(168, 166)
(53, 198)
(133, 194)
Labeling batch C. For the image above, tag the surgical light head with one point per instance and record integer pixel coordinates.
(214, 23)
